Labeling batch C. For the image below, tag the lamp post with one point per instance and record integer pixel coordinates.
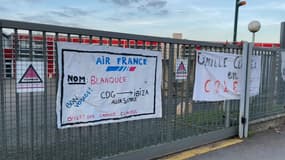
(254, 26)
(237, 5)
(282, 35)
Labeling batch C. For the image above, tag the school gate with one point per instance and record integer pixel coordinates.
(28, 119)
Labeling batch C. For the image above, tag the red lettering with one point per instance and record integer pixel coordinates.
(107, 80)
(131, 112)
(217, 84)
(225, 87)
(108, 114)
(220, 86)
(69, 119)
(235, 83)
(91, 116)
(76, 117)
(93, 80)
(206, 86)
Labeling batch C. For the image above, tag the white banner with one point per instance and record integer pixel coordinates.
(29, 76)
(218, 76)
(102, 84)
(181, 71)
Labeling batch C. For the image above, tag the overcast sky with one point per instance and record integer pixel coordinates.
(210, 20)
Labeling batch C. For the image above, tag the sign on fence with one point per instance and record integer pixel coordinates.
(181, 69)
(30, 76)
(218, 76)
(102, 84)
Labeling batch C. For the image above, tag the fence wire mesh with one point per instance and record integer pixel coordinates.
(28, 120)
(270, 100)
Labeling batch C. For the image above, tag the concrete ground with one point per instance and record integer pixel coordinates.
(267, 145)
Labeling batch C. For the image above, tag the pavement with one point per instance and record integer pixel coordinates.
(267, 145)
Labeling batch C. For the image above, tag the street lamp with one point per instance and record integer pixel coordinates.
(237, 5)
(254, 26)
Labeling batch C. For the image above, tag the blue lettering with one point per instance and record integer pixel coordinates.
(131, 61)
(144, 61)
(118, 60)
(98, 61)
(78, 101)
(124, 60)
(68, 104)
(136, 60)
(107, 60)
(103, 60)
(78, 104)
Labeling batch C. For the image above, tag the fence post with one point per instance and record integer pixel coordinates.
(170, 95)
(282, 35)
(226, 108)
(3, 138)
(244, 92)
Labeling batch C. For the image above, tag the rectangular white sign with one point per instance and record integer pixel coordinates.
(218, 76)
(181, 69)
(102, 84)
(29, 76)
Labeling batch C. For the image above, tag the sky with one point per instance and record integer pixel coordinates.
(204, 20)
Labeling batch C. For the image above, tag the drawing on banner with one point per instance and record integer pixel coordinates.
(100, 84)
(218, 76)
(30, 76)
(181, 69)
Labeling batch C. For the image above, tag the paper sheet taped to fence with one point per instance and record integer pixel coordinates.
(181, 69)
(218, 76)
(30, 76)
(101, 84)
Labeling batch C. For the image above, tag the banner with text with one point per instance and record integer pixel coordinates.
(218, 76)
(103, 84)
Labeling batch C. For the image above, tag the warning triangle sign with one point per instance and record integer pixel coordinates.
(31, 76)
(181, 68)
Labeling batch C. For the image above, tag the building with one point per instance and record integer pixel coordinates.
(18, 47)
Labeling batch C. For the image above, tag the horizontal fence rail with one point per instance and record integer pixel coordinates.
(78, 31)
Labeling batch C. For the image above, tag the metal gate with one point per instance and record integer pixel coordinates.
(28, 120)
(270, 103)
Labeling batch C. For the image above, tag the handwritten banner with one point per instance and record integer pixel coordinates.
(101, 84)
(218, 76)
